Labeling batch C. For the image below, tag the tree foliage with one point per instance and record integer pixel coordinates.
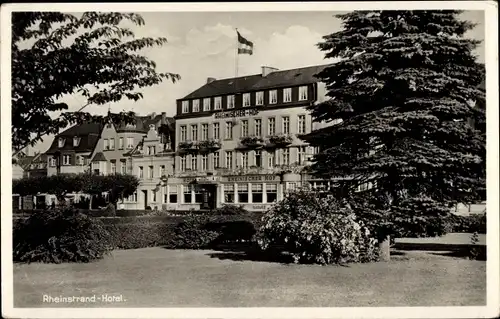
(403, 89)
(55, 54)
(117, 186)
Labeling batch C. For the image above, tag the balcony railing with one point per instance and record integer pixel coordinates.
(276, 141)
(208, 146)
(252, 142)
(188, 147)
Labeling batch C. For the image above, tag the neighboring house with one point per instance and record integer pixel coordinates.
(71, 150)
(153, 163)
(235, 138)
(37, 166)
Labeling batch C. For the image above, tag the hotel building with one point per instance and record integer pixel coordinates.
(236, 139)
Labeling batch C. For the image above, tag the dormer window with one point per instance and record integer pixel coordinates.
(259, 98)
(218, 103)
(230, 101)
(185, 106)
(273, 96)
(206, 104)
(61, 142)
(302, 93)
(246, 99)
(196, 105)
(76, 141)
(287, 95)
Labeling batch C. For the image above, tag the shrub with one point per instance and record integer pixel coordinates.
(227, 209)
(56, 236)
(192, 234)
(316, 230)
(140, 234)
(468, 224)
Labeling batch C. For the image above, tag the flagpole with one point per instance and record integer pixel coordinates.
(236, 56)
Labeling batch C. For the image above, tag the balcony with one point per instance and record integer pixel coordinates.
(251, 142)
(209, 146)
(188, 147)
(278, 141)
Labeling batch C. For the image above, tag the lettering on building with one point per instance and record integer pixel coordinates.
(253, 178)
(236, 113)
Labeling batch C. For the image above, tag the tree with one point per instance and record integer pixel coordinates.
(56, 54)
(403, 90)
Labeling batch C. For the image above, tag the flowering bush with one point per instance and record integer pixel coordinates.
(316, 230)
(280, 139)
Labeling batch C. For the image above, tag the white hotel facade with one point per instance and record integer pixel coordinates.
(237, 140)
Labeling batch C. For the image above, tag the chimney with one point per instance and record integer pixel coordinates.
(267, 70)
(210, 80)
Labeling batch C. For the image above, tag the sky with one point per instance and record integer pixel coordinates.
(203, 44)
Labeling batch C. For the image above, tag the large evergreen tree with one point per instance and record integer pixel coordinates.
(56, 54)
(406, 90)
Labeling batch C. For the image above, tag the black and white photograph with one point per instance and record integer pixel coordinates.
(250, 160)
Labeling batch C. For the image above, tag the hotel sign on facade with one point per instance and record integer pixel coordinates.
(236, 113)
(235, 178)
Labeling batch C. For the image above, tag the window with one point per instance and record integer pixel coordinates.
(123, 167)
(244, 159)
(52, 162)
(81, 160)
(194, 132)
(194, 162)
(302, 124)
(141, 172)
(244, 128)
(271, 126)
(271, 159)
(151, 172)
(258, 127)
(183, 163)
(154, 195)
(106, 144)
(216, 160)
(229, 193)
(130, 142)
(286, 124)
(162, 170)
(113, 167)
(183, 133)
(66, 160)
(216, 131)
(259, 98)
(286, 156)
(133, 197)
(196, 105)
(291, 186)
(185, 106)
(204, 132)
(151, 150)
(204, 162)
(120, 143)
(257, 192)
(172, 194)
(302, 93)
(272, 192)
(187, 194)
(198, 194)
(229, 159)
(229, 130)
(287, 95)
(76, 141)
(230, 101)
(301, 154)
(273, 97)
(246, 99)
(218, 103)
(60, 142)
(206, 104)
(258, 158)
(243, 193)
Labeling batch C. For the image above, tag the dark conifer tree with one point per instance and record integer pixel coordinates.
(407, 91)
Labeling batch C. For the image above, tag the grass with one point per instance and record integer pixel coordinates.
(157, 277)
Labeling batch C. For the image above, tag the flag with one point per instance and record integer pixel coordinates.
(244, 46)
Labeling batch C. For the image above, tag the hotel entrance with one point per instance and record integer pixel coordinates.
(208, 193)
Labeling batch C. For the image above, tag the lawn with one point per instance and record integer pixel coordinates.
(157, 277)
